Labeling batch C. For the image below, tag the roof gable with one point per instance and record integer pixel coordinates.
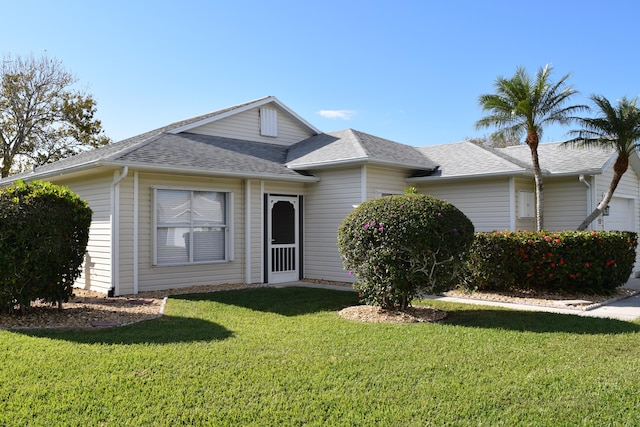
(244, 121)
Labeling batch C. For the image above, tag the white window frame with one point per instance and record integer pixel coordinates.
(228, 227)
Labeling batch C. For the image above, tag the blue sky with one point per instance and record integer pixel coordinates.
(410, 71)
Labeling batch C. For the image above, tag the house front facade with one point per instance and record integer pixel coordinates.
(254, 194)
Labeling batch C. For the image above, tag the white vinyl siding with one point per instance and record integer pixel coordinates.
(327, 203)
(246, 126)
(96, 268)
(382, 181)
(565, 203)
(485, 202)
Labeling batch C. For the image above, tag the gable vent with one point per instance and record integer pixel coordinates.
(268, 122)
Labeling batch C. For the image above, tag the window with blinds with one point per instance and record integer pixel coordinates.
(191, 226)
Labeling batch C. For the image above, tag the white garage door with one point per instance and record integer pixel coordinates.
(620, 215)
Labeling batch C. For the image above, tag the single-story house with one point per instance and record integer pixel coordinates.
(254, 194)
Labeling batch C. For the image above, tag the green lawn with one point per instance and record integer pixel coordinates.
(281, 357)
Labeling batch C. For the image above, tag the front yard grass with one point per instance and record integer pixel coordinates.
(284, 357)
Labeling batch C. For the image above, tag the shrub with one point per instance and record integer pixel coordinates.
(401, 245)
(44, 230)
(569, 261)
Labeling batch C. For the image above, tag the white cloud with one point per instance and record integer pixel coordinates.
(337, 114)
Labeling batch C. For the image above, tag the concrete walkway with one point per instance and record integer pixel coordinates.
(626, 309)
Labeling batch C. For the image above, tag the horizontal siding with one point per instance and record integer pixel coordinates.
(627, 188)
(96, 269)
(327, 203)
(257, 225)
(565, 203)
(383, 180)
(485, 202)
(125, 244)
(246, 126)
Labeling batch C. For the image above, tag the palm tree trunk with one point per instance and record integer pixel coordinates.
(532, 142)
(619, 168)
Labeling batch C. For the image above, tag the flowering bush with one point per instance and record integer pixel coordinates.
(400, 245)
(584, 261)
(44, 230)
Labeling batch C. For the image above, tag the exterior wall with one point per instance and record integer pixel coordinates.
(628, 188)
(327, 203)
(383, 180)
(96, 271)
(124, 243)
(565, 203)
(256, 214)
(165, 277)
(246, 126)
(485, 202)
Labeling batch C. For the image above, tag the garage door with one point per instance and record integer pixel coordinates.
(620, 215)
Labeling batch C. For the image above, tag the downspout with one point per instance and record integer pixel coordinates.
(136, 216)
(115, 231)
(584, 181)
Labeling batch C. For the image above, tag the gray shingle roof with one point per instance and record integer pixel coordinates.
(464, 159)
(557, 158)
(200, 152)
(352, 146)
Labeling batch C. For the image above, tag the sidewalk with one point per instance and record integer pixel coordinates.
(626, 309)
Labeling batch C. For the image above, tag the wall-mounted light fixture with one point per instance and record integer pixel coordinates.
(605, 212)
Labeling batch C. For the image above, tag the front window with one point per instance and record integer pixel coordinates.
(191, 226)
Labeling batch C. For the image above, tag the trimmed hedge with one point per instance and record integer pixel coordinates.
(568, 261)
(44, 230)
(400, 245)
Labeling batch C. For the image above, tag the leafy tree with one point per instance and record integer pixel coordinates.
(42, 119)
(617, 127)
(524, 106)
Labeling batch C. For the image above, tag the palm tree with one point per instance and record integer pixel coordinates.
(522, 106)
(617, 127)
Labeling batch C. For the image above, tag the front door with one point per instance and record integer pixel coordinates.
(283, 252)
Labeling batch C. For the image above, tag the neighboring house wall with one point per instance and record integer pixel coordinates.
(486, 202)
(327, 203)
(246, 125)
(627, 189)
(164, 277)
(96, 269)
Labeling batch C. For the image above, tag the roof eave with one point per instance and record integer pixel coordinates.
(419, 179)
(358, 161)
(145, 167)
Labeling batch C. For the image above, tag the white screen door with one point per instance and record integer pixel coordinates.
(283, 259)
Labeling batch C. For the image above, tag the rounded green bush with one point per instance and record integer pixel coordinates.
(401, 245)
(44, 231)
